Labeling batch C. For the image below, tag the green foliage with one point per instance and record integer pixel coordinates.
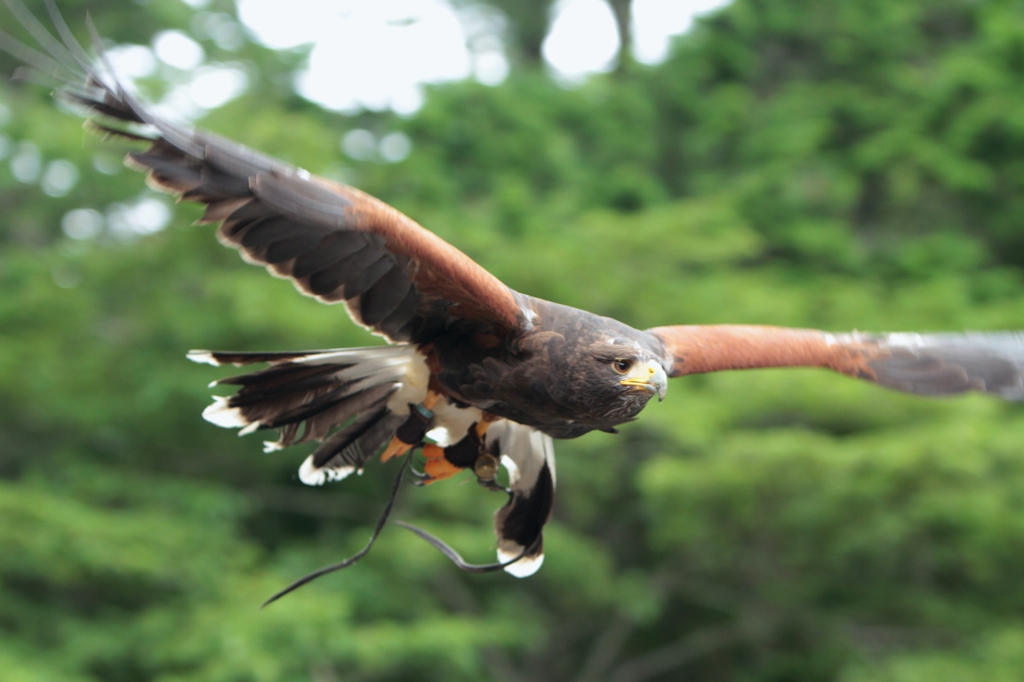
(853, 165)
(997, 658)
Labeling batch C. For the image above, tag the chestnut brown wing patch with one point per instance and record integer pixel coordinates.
(335, 243)
(926, 364)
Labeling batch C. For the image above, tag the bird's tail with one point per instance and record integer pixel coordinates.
(307, 395)
(529, 457)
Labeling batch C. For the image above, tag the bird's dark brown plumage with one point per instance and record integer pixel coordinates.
(481, 373)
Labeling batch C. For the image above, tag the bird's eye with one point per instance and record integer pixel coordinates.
(622, 366)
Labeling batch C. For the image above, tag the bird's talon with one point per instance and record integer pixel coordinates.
(438, 470)
(395, 448)
(433, 452)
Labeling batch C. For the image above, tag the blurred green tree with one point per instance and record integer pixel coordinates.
(838, 166)
(527, 25)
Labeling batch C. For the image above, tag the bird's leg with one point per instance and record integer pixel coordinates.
(469, 452)
(486, 465)
(445, 462)
(410, 434)
(486, 419)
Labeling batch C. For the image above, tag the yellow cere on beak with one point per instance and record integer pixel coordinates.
(647, 376)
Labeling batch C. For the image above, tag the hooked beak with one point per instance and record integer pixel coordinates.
(648, 376)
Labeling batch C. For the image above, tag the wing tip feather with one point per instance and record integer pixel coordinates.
(222, 414)
(203, 357)
(311, 474)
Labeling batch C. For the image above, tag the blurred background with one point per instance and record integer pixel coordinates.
(835, 165)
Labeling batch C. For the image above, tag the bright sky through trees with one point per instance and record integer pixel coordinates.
(387, 49)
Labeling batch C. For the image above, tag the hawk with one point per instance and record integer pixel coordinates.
(475, 375)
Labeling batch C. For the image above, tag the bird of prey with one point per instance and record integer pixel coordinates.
(475, 375)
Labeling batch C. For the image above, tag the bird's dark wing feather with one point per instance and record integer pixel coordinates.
(334, 242)
(927, 364)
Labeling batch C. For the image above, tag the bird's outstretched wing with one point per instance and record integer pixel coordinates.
(334, 242)
(927, 364)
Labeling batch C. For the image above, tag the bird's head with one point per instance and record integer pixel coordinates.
(643, 375)
(625, 376)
